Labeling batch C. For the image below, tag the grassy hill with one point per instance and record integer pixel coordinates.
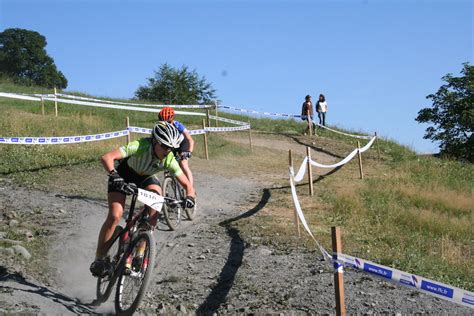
(411, 212)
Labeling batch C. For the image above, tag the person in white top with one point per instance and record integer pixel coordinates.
(322, 108)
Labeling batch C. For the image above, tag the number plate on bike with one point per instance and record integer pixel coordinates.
(151, 199)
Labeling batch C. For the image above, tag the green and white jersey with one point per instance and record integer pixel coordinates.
(143, 160)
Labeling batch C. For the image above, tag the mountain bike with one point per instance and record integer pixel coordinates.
(131, 253)
(173, 213)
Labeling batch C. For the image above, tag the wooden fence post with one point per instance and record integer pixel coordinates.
(310, 171)
(127, 123)
(338, 274)
(297, 222)
(55, 102)
(360, 160)
(205, 139)
(377, 142)
(42, 106)
(250, 137)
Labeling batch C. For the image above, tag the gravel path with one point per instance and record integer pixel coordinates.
(205, 267)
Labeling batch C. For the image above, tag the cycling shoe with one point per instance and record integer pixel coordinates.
(99, 268)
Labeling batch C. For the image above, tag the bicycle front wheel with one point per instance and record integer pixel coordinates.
(135, 274)
(172, 213)
(106, 283)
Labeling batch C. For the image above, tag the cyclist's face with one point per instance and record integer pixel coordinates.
(161, 150)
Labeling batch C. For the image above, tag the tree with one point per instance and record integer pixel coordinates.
(452, 114)
(23, 57)
(176, 86)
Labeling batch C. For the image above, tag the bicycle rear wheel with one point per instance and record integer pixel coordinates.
(106, 283)
(172, 213)
(135, 274)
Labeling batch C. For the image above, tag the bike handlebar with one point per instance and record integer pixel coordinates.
(132, 189)
(129, 188)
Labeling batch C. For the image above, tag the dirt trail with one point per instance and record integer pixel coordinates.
(205, 267)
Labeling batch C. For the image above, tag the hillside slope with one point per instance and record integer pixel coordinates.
(222, 262)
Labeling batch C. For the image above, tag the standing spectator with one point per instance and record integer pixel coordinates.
(322, 108)
(307, 112)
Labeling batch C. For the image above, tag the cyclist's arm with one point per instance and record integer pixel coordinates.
(190, 140)
(183, 180)
(109, 158)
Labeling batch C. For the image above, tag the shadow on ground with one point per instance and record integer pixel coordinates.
(16, 283)
(226, 278)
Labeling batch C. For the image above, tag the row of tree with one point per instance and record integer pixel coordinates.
(23, 57)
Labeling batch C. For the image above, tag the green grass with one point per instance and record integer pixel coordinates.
(412, 212)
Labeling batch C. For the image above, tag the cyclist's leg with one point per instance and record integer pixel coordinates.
(116, 206)
(184, 164)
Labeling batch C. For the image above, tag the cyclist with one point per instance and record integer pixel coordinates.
(139, 162)
(187, 145)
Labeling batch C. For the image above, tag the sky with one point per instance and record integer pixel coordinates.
(375, 61)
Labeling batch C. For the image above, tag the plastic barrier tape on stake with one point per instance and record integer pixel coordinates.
(94, 104)
(120, 107)
(187, 106)
(339, 260)
(369, 144)
(342, 133)
(18, 96)
(227, 129)
(345, 160)
(434, 288)
(61, 140)
(255, 112)
(151, 199)
(223, 119)
(300, 214)
(140, 130)
(340, 163)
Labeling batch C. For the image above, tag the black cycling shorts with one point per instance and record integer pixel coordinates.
(131, 176)
(184, 146)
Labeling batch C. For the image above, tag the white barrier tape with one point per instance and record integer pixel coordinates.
(151, 199)
(223, 119)
(256, 112)
(437, 289)
(197, 131)
(120, 107)
(347, 159)
(342, 133)
(227, 129)
(94, 104)
(187, 106)
(368, 145)
(18, 96)
(338, 268)
(434, 288)
(61, 140)
(300, 214)
(192, 132)
(41, 95)
(301, 171)
(139, 130)
(340, 163)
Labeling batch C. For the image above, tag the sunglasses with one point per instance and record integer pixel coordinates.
(165, 147)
